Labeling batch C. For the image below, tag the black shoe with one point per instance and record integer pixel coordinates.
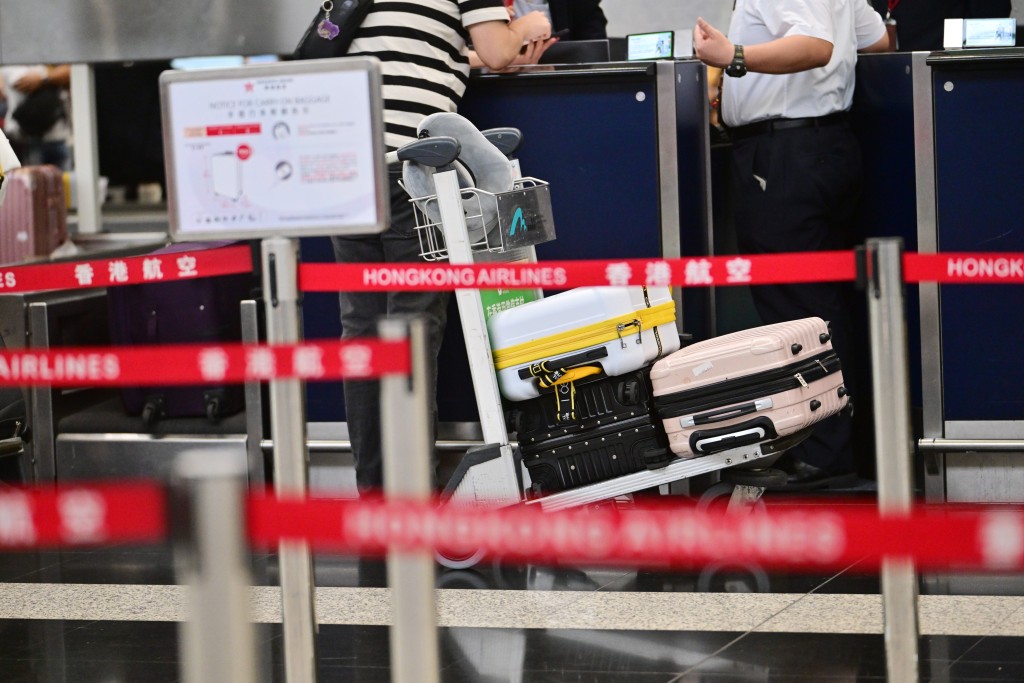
(801, 476)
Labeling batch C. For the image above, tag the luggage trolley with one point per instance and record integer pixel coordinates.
(451, 227)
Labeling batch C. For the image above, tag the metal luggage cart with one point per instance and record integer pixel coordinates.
(451, 226)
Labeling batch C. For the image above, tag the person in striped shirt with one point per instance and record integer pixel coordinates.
(423, 49)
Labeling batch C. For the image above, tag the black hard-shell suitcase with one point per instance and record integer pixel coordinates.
(203, 310)
(612, 433)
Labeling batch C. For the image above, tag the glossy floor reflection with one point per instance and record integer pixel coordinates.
(108, 652)
(517, 624)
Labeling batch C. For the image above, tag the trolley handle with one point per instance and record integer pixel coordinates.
(507, 139)
(436, 152)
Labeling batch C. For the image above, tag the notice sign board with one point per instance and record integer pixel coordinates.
(275, 150)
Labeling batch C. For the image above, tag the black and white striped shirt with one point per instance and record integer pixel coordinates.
(422, 48)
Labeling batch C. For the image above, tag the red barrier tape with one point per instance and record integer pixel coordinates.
(205, 364)
(787, 537)
(697, 272)
(127, 270)
(834, 266)
(82, 515)
(964, 268)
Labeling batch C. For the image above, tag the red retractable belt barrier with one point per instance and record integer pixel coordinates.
(127, 270)
(199, 363)
(83, 515)
(965, 268)
(787, 535)
(695, 272)
(761, 269)
(764, 269)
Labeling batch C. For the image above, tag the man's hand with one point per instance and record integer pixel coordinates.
(711, 46)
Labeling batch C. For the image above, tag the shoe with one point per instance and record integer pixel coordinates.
(802, 476)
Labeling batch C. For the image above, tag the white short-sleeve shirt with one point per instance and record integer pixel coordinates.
(850, 25)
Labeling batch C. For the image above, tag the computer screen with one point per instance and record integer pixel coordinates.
(965, 33)
(645, 46)
(990, 32)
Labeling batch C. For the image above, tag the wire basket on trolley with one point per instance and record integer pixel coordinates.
(494, 222)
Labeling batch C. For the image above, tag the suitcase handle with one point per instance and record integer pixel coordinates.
(723, 414)
(709, 441)
(563, 363)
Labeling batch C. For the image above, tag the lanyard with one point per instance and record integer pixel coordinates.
(893, 4)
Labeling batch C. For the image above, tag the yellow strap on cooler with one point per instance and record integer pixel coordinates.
(582, 337)
(571, 375)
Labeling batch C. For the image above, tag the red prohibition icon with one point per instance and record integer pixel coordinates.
(244, 152)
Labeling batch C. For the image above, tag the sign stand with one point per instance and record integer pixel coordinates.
(274, 152)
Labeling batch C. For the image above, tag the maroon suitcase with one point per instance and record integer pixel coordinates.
(34, 215)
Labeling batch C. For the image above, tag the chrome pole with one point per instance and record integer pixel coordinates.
(218, 641)
(893, 445)
(405, 420)
(291, 460)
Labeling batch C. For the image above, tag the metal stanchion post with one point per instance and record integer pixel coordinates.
(893, 445)
(405, 416)
(218, 641)
(291, 466)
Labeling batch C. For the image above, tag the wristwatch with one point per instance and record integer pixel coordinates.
(738, 67)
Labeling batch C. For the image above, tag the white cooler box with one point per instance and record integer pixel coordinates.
(578, 333)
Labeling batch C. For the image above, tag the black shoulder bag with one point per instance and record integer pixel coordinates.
(39, 111)
(332, 30)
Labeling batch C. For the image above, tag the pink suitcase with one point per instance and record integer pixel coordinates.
(748, 387)
(34, 215)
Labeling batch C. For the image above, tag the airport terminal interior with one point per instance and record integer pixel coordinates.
(635, 170)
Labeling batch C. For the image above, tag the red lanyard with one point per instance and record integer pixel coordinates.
(893, 4)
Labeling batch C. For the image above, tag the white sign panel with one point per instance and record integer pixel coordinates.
(275, 150)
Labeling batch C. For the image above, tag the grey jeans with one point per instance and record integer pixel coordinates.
(360, 312)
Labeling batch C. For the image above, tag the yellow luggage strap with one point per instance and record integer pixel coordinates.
(563, 381)
(621, 328)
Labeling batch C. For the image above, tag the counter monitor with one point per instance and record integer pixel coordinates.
(648, 46)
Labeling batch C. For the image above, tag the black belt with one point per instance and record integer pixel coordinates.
(772, 125)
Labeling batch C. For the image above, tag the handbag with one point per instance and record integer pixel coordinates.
(332, 30)
(39, 111)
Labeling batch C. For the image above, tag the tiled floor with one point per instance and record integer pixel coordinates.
(109, 616)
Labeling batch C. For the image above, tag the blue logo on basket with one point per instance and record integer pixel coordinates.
(518, 218)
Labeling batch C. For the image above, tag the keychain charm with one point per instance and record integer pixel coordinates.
(327, 29)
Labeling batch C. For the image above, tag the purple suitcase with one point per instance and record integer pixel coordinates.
(753, 386)
(204, 310)
(34, 215)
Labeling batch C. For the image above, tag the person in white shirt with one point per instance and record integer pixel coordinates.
(796, 167)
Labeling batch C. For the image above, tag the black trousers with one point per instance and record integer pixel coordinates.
(797, 190)
(360, 312)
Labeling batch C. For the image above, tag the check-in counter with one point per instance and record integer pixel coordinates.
(969, 199)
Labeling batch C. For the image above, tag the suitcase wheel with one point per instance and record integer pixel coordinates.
(629, 393)
(152, 410)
